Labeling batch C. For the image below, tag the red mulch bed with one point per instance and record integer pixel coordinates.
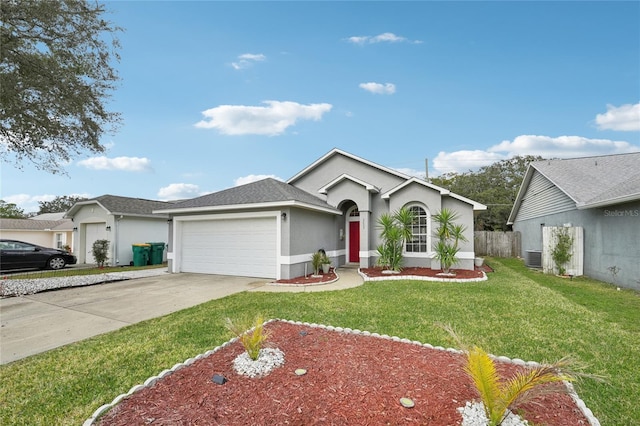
(377, 272)
(311, 279)
(425, 272)
(351, 380)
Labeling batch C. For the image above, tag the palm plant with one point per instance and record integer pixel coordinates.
(395, 230)
(317, 259)
(254, 338)
(500, 396)
(449, 236)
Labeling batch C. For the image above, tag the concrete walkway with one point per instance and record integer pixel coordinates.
(36, 323)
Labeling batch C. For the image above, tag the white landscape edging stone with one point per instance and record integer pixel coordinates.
(423, 278)
(593, 421)
(277, 284)
(24, 287)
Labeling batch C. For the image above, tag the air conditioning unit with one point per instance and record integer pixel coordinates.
(533, 258)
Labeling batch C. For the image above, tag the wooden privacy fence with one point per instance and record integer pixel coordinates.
(497, 243)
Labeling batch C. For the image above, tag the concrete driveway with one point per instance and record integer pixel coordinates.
(39, 322)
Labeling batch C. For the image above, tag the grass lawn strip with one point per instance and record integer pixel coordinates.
(515, 313)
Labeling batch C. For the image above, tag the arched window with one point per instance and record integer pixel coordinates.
(419, 231)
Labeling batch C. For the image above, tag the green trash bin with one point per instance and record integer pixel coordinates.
(157, 252)
(141, 254)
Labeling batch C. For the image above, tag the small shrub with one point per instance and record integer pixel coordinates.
(100, 251)
(251, 333)
(561, 253)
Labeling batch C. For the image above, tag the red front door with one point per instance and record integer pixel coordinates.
(354, 241)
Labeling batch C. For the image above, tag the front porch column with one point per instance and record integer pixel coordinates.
(365, 220)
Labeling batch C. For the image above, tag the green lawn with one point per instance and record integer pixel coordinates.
(517, 313)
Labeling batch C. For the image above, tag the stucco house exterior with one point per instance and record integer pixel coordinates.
(271, 228)
(47, 230)
(599, 194)
(123, 221)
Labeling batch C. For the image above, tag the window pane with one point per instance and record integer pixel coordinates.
(419, 230)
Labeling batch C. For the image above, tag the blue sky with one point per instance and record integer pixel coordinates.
(216, 94)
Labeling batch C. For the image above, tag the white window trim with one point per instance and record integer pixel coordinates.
(429, 252)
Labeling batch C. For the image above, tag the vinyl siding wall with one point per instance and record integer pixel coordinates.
(542, 198)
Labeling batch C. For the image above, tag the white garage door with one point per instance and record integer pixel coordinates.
(92, 233)
(241, 247)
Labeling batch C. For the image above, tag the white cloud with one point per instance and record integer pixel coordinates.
(411, 172)
(272, 119)
(129, 164)
(624, 118)
(381, 38)
(544, 146)
(247, 60)
(179, 191)
(561, 146)
(463, 161)
(253, 178)
(379, 88)
(29, 203)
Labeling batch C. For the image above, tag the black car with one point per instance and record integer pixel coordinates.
(20, 255)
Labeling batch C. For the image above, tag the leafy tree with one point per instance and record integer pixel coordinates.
(56, 78)
(59, 204)
(11, 211)
(496, 186)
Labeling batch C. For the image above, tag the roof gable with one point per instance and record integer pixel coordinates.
(599, 180)
(442, 191)
(336, 151)
(117, 205)
(589, 181)
(369, 187)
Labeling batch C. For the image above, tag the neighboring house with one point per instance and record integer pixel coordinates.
(601, 195)
(47, 230)
(123, 221)
(271, 228)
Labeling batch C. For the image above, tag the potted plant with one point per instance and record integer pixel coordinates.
(326, 264)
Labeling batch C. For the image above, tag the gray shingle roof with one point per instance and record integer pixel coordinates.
(123, 205)
(263, 191)
(35, 225)
(595, 181)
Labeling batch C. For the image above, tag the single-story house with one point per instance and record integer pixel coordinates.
(599, 194)
(123, 221)
(271, 228)
(47, 230)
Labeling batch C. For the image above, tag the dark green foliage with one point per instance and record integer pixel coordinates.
(59, 204)
(56, 78)
(496, 186)
(11, 211)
